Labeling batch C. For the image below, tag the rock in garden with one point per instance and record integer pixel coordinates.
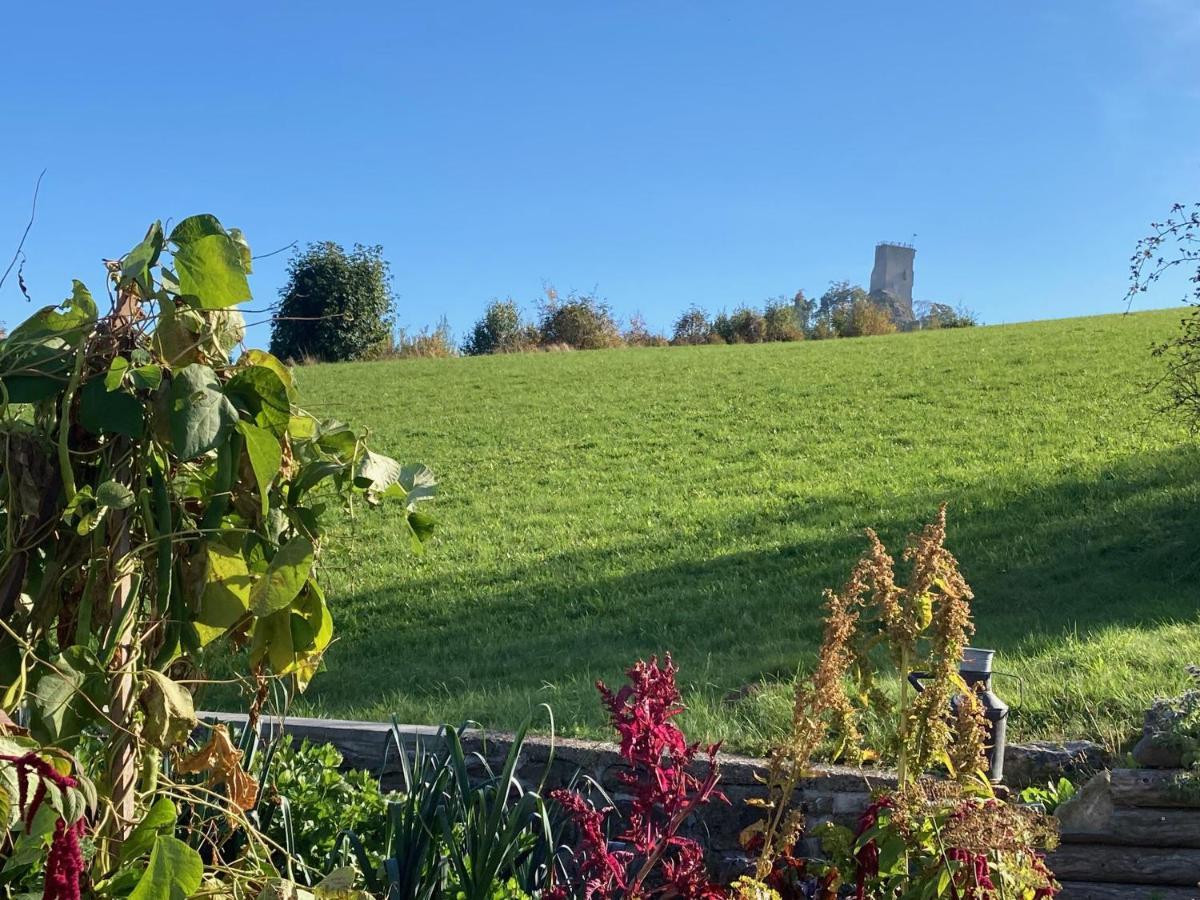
(1158, 751)
(1041, 761)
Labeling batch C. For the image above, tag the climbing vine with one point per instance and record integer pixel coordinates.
(162, 496)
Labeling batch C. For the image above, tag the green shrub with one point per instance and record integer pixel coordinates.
(865, 318)
(321, 802)
(834, 309)
(581, 322)
(846, 310)
(692, 327)
(335, 305)
(747, 326)
(722, 329)
(500, 330)
(781, 321)
(939, 315)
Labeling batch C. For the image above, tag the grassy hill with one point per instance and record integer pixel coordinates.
(597, 507)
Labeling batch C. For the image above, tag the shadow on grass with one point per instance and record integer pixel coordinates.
(1109, 546)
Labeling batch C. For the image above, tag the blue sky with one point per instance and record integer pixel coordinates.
(666, 153)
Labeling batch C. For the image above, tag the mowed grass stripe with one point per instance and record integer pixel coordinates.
(597, 507)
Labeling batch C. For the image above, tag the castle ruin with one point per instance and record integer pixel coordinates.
(892, 281)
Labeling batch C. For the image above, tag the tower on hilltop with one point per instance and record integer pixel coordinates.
(892, 279)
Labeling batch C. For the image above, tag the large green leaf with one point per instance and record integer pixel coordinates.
(170, 715)
(418, 483)
(69, 320)
(136, 265)
(302, 427)
(421, 527)
(9, 789)
(33, 388)
(376, 472)
(254, 357)
(114, 495)
(265, 456)
(31, 844)
(210, 269)
(201, 415)
(313, 473)
(285, 577)
(116, 373)
(292, 641)
(65, 697)
(173, 873)
(159, 819)
(195, 227)
(259, 392)
(147, 377)
(226, 595)
(337, 438)
(37, 357)
(172, 339)
(311, 641)
(102, 411)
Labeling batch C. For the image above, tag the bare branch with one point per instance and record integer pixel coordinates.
(32, 215)
(290, 246)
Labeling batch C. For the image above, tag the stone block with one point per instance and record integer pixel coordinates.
(855, 803)
(1039, 762)
(1158, 751)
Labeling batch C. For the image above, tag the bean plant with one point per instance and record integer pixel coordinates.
(163, 498)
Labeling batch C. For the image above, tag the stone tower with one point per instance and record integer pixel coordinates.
(892, 280)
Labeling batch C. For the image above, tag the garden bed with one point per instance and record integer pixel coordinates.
(833, 794)
(1131, 832)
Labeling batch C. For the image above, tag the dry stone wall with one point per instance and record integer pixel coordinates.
(1131, 833)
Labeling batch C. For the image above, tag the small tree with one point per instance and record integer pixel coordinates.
(781, 321)
(747, 325)
(692, 327)
(335, 305)
(500, 330)
(834, 308)
(864, 319)
(721, 331)
(846, 310)
(1172, 244)
(805, 309)
(581, 321)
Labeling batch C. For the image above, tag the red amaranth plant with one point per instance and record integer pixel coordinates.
(64, 863)
(655, 860)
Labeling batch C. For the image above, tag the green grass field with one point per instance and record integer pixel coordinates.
(597, 507)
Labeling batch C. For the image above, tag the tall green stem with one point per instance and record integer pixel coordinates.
(64, 425)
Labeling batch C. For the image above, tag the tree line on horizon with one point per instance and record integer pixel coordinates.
(338, 305)
(585, 322)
